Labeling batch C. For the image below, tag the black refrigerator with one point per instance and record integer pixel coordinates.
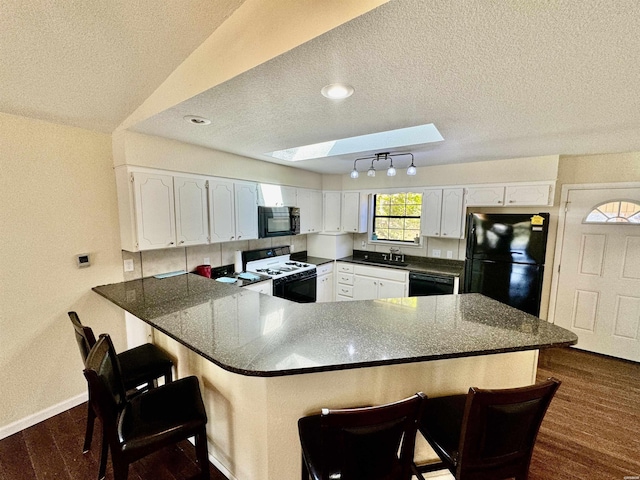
(505, 257)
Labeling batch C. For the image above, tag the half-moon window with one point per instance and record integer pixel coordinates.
(615, 212)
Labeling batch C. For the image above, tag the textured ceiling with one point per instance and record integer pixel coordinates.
(91, 63)
(504, 79)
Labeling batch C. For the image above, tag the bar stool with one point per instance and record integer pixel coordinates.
(361, 443)
(486, 434)
(133, 428)
(141, 367)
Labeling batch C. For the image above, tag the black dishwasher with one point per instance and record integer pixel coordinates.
(423, 284)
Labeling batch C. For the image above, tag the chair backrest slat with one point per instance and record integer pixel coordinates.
(499, 427)
(374, 442)
(84, 336)
(106, 389)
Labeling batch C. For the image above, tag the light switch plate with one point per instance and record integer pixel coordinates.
(449, 254)
(83, 260)
(436, 253)
(128, 265)
(207, 261)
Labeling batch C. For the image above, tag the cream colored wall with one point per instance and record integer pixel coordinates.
(608, 168)
(57, 192)
(530, 169)
(142, 150)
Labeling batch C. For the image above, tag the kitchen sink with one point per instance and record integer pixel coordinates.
(380, 261)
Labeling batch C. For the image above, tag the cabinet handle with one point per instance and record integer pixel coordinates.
(444, 234)
(499, 201)
(436, 233)
(231, 238)
(510, 201)
(239, 237)
(171, 243)
(181, 242)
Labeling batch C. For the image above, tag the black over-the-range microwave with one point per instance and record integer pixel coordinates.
(278, 221)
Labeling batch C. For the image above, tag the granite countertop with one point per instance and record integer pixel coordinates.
(258, 335)
(453, 268)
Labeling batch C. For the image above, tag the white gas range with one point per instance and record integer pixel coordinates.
(292, 279)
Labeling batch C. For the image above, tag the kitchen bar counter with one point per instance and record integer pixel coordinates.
(258, 335)
(263, 362)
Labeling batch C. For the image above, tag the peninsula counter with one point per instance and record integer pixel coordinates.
(264, 361)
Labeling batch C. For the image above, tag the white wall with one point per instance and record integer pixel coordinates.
(57, 192)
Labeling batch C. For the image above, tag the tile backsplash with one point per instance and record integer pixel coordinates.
(153, 262)
(429, 248)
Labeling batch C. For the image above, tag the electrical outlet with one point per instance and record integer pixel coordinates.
(128, 265)
(364, 244)
(449, 254)
(207, 261)
(436, 253)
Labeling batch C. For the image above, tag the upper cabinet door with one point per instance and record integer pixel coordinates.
(354, 212)
(246, 195)
(484, 196)
(528, 195)
(452, 213)
(331, 211)
(431, 212)
(192, 224)
(222, 218)
(155, 216)
(310, 204)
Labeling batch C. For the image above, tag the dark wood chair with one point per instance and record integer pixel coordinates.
(373, 443)
(486, 434)
(135, 427)
(141, 367)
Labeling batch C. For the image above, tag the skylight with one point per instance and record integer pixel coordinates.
(402, 137)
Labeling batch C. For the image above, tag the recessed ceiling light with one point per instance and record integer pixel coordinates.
(337, 91)
(195, 120)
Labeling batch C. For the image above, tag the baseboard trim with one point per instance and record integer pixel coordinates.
(42, 415)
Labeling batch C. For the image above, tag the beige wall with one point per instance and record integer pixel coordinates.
(607, 168)
(530, 169)
(57, 192)
(141, 150)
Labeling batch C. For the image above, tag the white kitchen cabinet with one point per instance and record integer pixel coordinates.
(154, 210)
(354, 212)
(528, 195)
(310, 204)
(192, 222)
(222, 223)
(443, 212)
(324, 291)
(159, 210)
(370, 283)
(233, 212)
(344, 281)
(331, 211)
(484, 196)
(277, 195)
(265, 287)
(246, 214)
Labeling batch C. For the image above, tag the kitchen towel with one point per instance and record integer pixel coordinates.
(238, 261)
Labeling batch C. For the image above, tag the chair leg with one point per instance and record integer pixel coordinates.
(88, 435)
(104, 453)
(202, 455)
(120, 469)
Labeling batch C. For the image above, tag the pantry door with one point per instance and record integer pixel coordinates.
(598, 277)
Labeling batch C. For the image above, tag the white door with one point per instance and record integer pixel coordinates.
(431, 212)
(391, 289)
(452, 213)
(598, 287)
(331, 209)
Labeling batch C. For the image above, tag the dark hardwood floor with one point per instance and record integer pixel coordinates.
(592, 427)
(53, 450)
(591, 431)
